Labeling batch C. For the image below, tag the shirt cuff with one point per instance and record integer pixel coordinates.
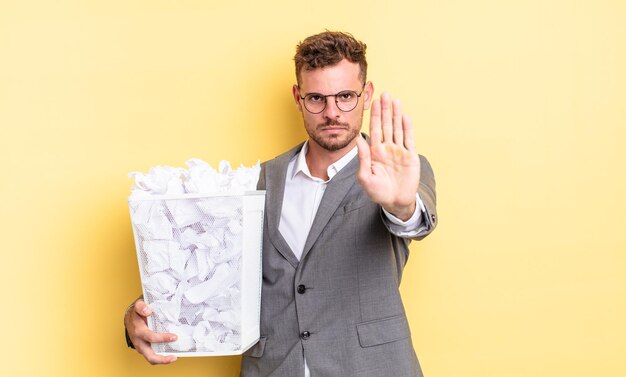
(412, 222)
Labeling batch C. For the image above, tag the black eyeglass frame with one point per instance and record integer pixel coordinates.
(336, 101)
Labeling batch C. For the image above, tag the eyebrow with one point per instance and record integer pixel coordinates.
(343, 90)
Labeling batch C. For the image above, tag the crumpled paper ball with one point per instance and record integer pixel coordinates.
(199, 178)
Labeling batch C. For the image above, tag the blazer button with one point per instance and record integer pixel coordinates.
(301, 289)
(432, 217)
(305, 335)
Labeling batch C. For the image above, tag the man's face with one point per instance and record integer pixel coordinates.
(333, 129)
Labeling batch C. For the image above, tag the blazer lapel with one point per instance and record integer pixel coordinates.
(275, 174)
(336, 190)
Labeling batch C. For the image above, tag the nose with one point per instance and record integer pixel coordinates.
(331, 111)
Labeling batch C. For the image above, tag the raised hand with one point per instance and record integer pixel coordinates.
(389, 168)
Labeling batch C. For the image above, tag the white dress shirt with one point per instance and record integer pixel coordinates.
(302, 197)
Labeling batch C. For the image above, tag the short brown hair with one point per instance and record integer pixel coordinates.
(327, 49)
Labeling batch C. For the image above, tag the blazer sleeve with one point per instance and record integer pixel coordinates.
(427, 193)
(261, 182)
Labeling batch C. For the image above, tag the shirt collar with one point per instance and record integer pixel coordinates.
(333, 169)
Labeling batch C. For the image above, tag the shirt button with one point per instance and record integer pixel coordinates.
(305, 335)
(301, 289)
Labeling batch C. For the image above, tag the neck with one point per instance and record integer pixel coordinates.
(319, 159)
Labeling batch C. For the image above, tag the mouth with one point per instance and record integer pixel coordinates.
(333, 130)
(332, 127)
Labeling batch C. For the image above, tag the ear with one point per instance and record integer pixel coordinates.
(368, 94)
(296, 96)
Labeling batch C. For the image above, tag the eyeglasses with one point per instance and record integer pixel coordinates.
(346, 101)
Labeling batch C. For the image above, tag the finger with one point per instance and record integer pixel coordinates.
(407, 126)
(385, 104)
(375, 131)
(142, 338)
(398, 134)
(150, 336)
(365, 160)
(139, 329)
(148, 353)
(142, 308)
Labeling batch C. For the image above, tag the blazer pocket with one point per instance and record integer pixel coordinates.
(354, 205)
(257, 349)
(386, 330)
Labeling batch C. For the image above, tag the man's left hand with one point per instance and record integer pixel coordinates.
(389, 168)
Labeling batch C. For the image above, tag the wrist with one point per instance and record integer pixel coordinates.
(131, 306)
(403, 212)
(129, 342)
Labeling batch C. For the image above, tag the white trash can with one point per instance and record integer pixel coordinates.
(200, 264)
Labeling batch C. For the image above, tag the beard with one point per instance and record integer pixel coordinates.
(332, 142)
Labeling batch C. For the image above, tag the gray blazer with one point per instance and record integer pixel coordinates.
(339, 306)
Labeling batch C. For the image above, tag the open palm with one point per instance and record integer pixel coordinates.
(389, 168)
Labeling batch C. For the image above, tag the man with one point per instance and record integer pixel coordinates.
(337, 230)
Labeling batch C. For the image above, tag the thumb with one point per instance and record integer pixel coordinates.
(142, 308)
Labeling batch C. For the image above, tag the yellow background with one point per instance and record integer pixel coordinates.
(519, 105)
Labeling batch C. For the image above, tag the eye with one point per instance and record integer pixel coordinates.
(314, 97)
(346, 96)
